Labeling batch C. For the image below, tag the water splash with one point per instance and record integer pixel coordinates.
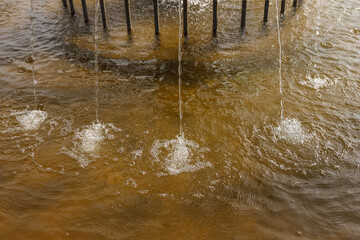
(179, 155)
(90, 137)
(87, 142)
(280, 59)
(30, 119)
(291, 130)
(317, 82)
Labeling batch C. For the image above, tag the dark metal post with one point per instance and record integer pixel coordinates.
(86, 17)
(103, 13)
(243, 14)
(64, 2)
(215, 19)
(156, 17)
(185, 6)
(72, 9)
(266, 11)
(295, 4)
(282, 8)
(128, 17)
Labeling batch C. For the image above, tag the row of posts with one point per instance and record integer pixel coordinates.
(185, 13)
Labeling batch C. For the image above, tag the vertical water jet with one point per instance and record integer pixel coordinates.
(280, 59)
(32, 57)
(96, 36)
(180, 71)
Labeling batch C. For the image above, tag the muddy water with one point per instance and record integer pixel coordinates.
(241, 172)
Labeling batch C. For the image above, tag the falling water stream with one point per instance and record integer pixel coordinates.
(32, 57)
(180, 70)
(280, 61)
(96, 39)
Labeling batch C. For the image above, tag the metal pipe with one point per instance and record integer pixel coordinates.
(243, 14)
(282, 12)
(64, 3)
(103, 13)
(295, 4)
(185, 6)
(215, 18)
(86, 17)
(266, 11)
(128, 16)
(72, 9)
(156, 17)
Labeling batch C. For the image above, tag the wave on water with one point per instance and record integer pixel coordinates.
(179, 155)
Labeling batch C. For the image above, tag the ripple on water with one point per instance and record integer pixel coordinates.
(291, 130)
(179, 155)
(87, 142)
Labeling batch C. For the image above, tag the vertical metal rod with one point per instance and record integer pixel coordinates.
(72, 9)
(243, 14)
(64, 2)
(128, 16)
(103, 13)
(185, 6)
(156, 17)
(295, 4)
(282, 12)
(86, 17)
(215, 18)
(266, 11)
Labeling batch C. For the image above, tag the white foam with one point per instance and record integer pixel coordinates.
(316, 82)
(291, 130)
(87, 142)
(90, 137)
(178, 154)
(30, 119)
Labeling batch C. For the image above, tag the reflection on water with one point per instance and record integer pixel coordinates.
(237, 171)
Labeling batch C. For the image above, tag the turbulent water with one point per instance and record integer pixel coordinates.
(237, 172)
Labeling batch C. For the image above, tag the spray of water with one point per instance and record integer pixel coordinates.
(280, 57)
(96, 36)
(180, 69)
(32, 58)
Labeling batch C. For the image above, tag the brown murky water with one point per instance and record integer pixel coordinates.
(238, 173)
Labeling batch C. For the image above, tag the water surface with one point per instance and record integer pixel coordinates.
(239, 172)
